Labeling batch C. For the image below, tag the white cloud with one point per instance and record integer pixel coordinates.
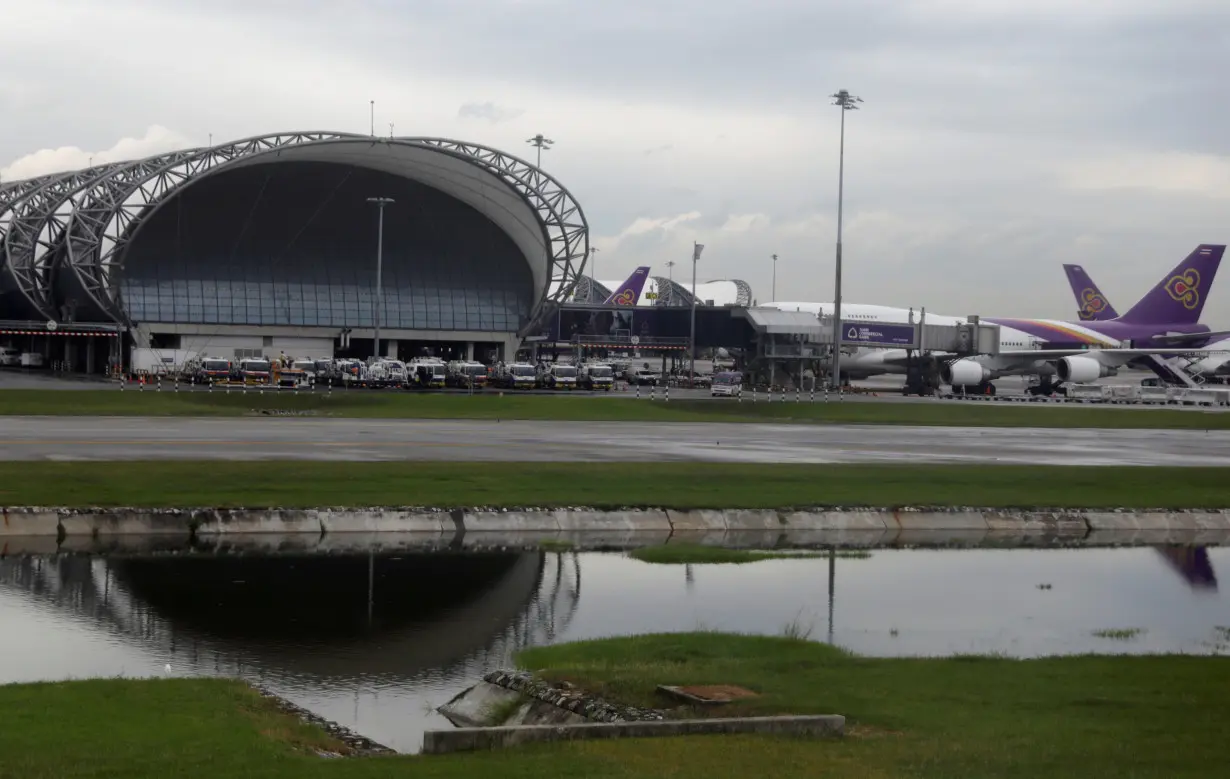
(157, 140)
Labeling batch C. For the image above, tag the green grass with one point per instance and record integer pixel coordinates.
(686, 554)
(992, 718)
(212, 483)
(1091, 716)
(490, 404)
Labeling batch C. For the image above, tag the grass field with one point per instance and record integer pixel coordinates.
(492, 405)
(1090, 717)
(220, 484)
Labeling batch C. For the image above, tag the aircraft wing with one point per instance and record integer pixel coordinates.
(1179, 338)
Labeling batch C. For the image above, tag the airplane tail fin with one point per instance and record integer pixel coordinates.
(1091, 304)
(630, 291)
(1179, 297)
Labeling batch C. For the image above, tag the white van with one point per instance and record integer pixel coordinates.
(727, 384)
(9, 356)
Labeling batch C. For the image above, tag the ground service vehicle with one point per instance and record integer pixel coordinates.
(387, 373)
(519, 375)
(428, 374)
(467, 373)
(558, 377)
(596, 376)
(642, 376)
(727, 384)
(212, 370)
(255, 370)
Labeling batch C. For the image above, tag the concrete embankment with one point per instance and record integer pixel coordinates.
(649, 524)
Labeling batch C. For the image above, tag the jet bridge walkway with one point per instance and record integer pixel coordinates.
(798, 344)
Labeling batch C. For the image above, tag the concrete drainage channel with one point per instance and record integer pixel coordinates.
(456, 524)
(509, 708)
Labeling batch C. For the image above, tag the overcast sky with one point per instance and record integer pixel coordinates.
(999, 138)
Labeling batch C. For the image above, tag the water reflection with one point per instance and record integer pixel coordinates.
(375, 641)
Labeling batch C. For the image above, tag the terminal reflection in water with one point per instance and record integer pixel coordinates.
(375, 642)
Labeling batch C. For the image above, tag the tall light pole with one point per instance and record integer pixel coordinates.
(541, 142)
(593, 265)
(380, 203)
(697, 248)
(775, 277)
(847, 102)
(670, 270)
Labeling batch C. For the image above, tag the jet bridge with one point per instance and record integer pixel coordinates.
(798, 343)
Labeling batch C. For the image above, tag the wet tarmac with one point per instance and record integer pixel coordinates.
(115, 438)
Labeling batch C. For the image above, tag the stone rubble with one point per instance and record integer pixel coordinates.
(571, 699)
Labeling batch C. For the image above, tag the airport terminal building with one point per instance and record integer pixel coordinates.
(269, 244)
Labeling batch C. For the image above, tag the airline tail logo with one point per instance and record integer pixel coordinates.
(1185, 288)
(1092, 303)
(625, 298)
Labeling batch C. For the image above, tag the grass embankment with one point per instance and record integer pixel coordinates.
(173, 483)
(491, 405)
(964, 716)
(1090, 717)
(689, 554)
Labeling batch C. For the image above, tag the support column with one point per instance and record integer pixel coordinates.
(469, 351)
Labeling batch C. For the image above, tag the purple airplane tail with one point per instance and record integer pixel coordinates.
(630, 291)
(1179, 298)
(1091, 304)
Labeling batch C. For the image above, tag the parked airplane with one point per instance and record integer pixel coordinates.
(630, 291)
(1095, 306)
(1166, 318)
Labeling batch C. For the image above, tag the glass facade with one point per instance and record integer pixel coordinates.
(295, 244)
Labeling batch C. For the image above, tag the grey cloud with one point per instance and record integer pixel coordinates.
(489, 112)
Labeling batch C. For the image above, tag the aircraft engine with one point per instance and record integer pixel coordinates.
(964, 373)
(1081, 370)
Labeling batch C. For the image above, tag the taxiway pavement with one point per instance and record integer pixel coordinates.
(262, 438)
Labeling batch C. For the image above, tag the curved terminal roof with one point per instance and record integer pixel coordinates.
(661, 291)
(85, 220)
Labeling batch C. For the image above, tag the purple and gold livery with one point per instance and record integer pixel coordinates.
(630, 291)
(1092, 305)
(1168, 315)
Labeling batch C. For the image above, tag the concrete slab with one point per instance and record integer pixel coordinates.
(739, 519)
(393, 521)
(481, 706)
(837, 520)
(640, 521)
(699, 520)
(1111, 521)
(29, 523)
(265, 522)
(940, 520)
(510, 521)
(438, 742)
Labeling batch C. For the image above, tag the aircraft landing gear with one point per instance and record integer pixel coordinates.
(1045, 388)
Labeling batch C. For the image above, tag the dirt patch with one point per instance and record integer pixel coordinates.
(710, 693)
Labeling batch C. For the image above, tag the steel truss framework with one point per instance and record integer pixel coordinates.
(589, 291)
(86, 219)
(672, 293)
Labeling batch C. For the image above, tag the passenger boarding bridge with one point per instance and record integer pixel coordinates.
(796, 344)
